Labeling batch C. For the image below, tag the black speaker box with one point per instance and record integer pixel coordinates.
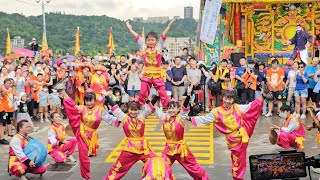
(235, 57)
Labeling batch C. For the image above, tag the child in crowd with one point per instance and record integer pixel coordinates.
(54, 101)
(23, 112)
(43, 103)
(36, 87)
(7, 101)
(15, 106)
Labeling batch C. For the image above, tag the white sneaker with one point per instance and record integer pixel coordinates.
(297, 115)
(264, 113)
(47, 120)
(303, 116)
(23, 177)
(207, 110)
(268, 115)
(72, 159)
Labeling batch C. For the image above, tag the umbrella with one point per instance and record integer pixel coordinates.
(23, 52)
(14, 56)
(67, 57)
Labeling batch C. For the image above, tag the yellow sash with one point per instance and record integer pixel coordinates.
(299, 141)
(183, 148)
(91, 143)
(317, 139)
(146, 145)
(240, 134)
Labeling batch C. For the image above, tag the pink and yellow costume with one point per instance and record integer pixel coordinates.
(17, 157)
(84, 123)
(316, 124)
(292, 134)
(98, 83)
(237, 123)
(80, 79)
(137, 147)
(157, 168)
(58, 151)
(176, 148)
(152, 71)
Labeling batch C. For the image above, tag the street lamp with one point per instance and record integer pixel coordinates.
(44, 23)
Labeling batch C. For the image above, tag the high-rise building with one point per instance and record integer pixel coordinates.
(188, 12)
(175, 46)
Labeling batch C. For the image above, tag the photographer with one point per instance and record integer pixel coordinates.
(250, 81)
(34, 45)
(292, 134)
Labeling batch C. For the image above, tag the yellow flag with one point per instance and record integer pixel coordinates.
(77, 45)
(111, 43)
(44, 44)
(8, 43)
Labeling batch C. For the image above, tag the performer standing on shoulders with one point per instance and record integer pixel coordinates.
(19, 163)
(137, 147)
(85, 120)
(152, 55)
(237, 122)
(58, 145)
(176, 148)
(292, 134)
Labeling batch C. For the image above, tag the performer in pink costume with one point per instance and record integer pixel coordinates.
(176, 148)
(152, 55)
(59, 148)
(137, 147)
(292, 134)
(84, 121)
(19, 164)
(157, 168)
(237, 122)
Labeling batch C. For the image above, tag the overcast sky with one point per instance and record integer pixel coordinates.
(120, 9)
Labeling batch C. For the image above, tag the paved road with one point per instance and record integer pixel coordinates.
(211, 153)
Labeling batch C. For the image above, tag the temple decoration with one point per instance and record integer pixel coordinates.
(262, 27)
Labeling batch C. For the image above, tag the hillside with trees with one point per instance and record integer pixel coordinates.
(61, 30)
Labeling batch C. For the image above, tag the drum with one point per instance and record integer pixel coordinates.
(36, 152)
(69, 131)
(273, 137)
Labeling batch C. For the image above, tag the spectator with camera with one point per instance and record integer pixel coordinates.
(34, 45)
(250, 81)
